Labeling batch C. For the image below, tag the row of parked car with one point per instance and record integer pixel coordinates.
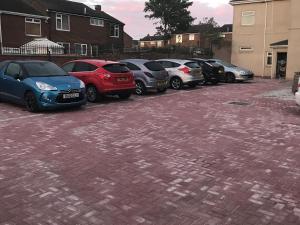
(44, 85)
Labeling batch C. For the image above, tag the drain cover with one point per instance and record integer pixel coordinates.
(239, 103)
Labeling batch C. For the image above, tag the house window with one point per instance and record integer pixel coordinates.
(142, 44)
(192, 37)
(246, 49)
(248, 18)
(95, 50)
(66, 47)
(152, 43)
(81, 49)
(179, 38)
(159, 44)
(269, 58)
(32, 27)
(62, 22)
(115, 30)
(97, 22)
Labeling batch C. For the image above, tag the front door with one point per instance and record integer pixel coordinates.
(281, 65)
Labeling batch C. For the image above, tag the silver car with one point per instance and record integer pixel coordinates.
(182, 72)
(234, 73)
(149, 75)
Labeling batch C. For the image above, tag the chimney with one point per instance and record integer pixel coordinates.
(98, 8)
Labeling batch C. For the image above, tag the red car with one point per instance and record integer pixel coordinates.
(102, 78)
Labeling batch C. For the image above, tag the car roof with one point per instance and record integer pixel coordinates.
(140, 61)
(180, 61)
(24, 61)
(95, 62)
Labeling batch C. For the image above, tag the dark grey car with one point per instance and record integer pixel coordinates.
(149, 75)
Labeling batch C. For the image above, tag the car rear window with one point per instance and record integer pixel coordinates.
(41, 69)
(153, 66)
(116, 68)
(192, 65)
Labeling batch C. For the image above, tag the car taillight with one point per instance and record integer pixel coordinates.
(148, 74)
(105, 76)
(185, 70)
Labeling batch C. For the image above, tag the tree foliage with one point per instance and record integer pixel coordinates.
(171, 15)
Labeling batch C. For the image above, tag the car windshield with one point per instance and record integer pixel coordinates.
(226, 64)
(153, 66)
(43, 69)
(192, 65)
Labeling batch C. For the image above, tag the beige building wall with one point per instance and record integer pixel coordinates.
(272, 22)
(294, 40)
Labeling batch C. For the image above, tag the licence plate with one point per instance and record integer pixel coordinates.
(123, 79)
(71, 95)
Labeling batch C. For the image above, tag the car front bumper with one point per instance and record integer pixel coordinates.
(297, 95)
(245, 77)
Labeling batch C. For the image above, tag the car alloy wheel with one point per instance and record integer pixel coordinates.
(176, 83)
(140, 88)
(31, 102)
(91, 93)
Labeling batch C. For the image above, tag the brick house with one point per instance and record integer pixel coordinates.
(153, 42)
(80, 29)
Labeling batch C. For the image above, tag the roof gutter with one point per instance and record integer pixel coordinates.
(248, 2)
(23, 14)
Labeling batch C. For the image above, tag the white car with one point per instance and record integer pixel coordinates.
(297, 94)
(182, 72)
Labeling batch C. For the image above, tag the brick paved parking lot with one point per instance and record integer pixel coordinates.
(215, 155)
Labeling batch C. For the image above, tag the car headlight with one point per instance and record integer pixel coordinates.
(45, 87)
(82, 85)
(243, 73)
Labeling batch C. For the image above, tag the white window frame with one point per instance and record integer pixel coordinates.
(152, 43)
(191, 37)
(65, 43)
(247, 14)
(59, 16)
(179, 38)
(269, 55)
(116, 31)
(246, 49)
(33, 21)
(96, 22)
(81, 48)
(142, 44)
(159, 44)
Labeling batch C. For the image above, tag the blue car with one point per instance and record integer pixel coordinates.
(40, 85)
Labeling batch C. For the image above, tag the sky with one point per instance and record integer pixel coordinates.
(131, 13)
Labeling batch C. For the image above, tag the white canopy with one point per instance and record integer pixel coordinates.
(42, 46)
(42, 42)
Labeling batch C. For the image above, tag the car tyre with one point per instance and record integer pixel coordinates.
(31, 102)
(140, 88)
(176, 83)
(192, 85)
(124, 96)
(92, 94)
(230, 78)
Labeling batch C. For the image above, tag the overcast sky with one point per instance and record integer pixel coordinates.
(131, 13)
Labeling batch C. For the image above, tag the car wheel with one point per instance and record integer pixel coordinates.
(92, 93)
(176, 83)
(192, 85)
(124, 96)
(161, 90)
(140, 88)
(230, 78)
(31, 102)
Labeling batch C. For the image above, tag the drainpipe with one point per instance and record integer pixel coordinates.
(265, 30)
(1, 38)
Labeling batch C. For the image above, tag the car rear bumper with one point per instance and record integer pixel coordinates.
(161, 84)
(191, 79)
(297, 95)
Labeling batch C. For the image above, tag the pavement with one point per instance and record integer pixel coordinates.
(214, 155)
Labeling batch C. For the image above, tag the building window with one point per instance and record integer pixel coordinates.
(246, 49)
(115, 30)
(62, 22)
(152, 43)
(66, 47)
(248, 18)
(192, 37)
(269, 58)
(142, 44)
(32, 27)
(81, 49)
(179, 38)
(97, 22)
(159, 44)
(95, 50)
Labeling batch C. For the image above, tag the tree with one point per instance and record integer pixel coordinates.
(172, 15)
(210, 31)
